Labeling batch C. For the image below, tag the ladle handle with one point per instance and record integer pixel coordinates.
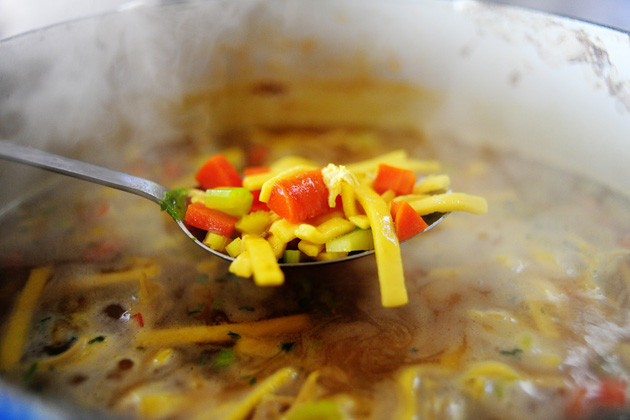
(83, 170)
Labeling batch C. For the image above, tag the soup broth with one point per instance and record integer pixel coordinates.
(521, 313)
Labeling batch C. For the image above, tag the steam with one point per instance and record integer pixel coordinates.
(89, 88)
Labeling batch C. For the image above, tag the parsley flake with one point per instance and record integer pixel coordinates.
(198, 310)
(234, 335)
(29, 376)
(246, 308)
(174, 203)
(515, 352)
(98, 339)
(224, 359)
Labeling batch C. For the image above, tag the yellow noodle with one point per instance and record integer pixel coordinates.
(386, 248)
(396, 158)
(348, 200)
(310, 249)
(106, 279)
(407, 386)
(308, 392)
(432, 183)
(444, 203)
(475, 379)
(324, 232)
(219, 333)
(242, 265)
(17, 327)
(264, 263)
(269, 385)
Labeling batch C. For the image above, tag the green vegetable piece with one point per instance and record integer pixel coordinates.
(358, 240)
(29, 376)
(247, 308)
(198, 310)
(174, 203)
(317, 410)
(291, 256)
(225, 358)
(98, 339)
(234, 335)
(233, 201)
(515, 352)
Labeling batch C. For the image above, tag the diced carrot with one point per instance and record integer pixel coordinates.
(218, 172)
(255, 170)
(202, 217)
(399, 180)
(407, 222)
(577, 407)
(612, 393)
(300, 197)
(138, 318)
(258, 205)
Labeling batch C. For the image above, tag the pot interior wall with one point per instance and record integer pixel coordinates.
(549, 87)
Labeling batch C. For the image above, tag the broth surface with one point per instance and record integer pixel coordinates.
(522, 313)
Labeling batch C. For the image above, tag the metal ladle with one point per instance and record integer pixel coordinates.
(139, 186)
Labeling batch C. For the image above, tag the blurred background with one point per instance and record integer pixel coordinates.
(17, 16)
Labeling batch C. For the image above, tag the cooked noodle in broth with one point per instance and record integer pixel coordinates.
(522, 313)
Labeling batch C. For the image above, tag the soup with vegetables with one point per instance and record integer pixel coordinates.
(521, 313)
(295, 211)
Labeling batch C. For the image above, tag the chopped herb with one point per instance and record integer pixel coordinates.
(97, 339)
(234, 335)
(48, 318)
(198, 310)
(140, 348)
(174, 203)
(217, 304)
(224, 359)
(288, 346)
(515, 352)
(413, 350)
(246, 308)
(542, 310)
(252, 379)
(29, 376)
(227, 277)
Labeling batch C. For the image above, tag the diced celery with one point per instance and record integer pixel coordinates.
(233, 201)
(234, 247)
(291, 256)
(358, 240)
